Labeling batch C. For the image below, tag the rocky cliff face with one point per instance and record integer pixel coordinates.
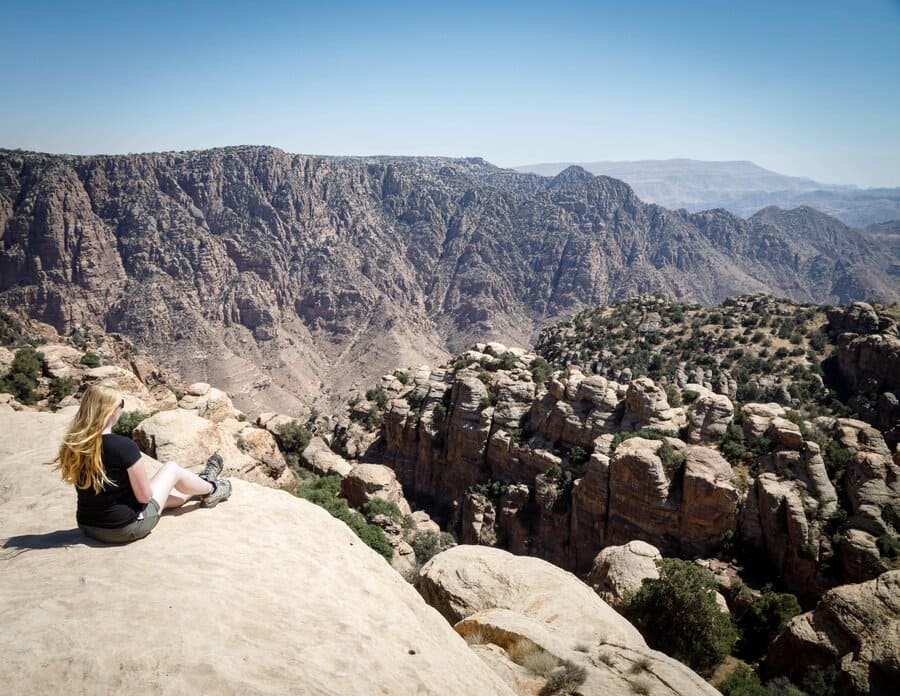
(278, 274)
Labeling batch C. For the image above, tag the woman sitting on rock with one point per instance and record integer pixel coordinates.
(117, 503)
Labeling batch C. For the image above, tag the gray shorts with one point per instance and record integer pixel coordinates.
(132, 531)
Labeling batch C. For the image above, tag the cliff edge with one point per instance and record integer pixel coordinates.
(264, 594)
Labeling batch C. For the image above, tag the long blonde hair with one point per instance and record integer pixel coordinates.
(80, 461)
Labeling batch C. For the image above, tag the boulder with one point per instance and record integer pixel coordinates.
(709, 417)
(183, 436)
(526, 606)
(619, 570)
(209, 402)
(854, 629)
(646, 406)
(69, 606)
(785, 433)
(757, 418)
(319, 458)
(366, 481)
(467, 579)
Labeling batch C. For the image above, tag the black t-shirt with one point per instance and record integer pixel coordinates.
(115, 505)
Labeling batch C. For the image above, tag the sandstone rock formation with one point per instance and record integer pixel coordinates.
(855, 629)
(524, 604)
(333, 636)
(183, 436)
(619, 570)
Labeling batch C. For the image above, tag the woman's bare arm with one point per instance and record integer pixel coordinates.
(140, 484)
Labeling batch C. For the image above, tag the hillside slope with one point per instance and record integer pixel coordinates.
(283, 276)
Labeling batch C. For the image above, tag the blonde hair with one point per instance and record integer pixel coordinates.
(80, 461)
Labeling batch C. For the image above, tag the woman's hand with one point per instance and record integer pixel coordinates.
(140, 484)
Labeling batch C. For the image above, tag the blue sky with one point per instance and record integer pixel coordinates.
(804, 88)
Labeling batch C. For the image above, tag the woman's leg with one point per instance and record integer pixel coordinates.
(186, 482)
(176, 499)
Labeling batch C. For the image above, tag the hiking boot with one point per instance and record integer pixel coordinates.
(222, 493)
(213, 468)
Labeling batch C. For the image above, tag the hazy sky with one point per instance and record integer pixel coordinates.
(804, 88)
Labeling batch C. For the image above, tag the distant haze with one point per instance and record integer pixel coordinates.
(741, 187)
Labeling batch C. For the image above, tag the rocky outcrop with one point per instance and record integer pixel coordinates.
(709, 418)
(267, 270)
(868, 360)
(646, 406)
(854, 629)
(267, 544)
(183, 436)
(526, 606)
(620, 570)
(366, 481)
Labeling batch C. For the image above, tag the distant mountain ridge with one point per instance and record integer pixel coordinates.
(739, 186)
(288, 277)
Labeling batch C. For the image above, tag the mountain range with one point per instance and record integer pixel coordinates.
(289, 278)
(741, 187)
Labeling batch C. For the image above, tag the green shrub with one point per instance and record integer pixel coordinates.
(377, 395)
(292, 438)
(689, 396)
(22, 378)
(90, 359)
(888, 546)
(414, 399)
(379, 506)
(403, 377)
(578, 455)
(324, 493)
(60, 388)
(672, 459)
(677, 613)
(673, 395)
(128, 421)
(11, 330)
(765, 617)
(508, 361)
(742, 682)
(540, 370)
(428, 544)
(459, 364)
(822, 682)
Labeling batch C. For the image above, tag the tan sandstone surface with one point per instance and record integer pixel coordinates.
(265, 594)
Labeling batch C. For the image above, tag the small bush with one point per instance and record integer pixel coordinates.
(765, 618)
(60, 388)
(672, 459)
(564, 679)
(128, 421)
(292, 438)
(673, 395)
(540, 370)
(90, 359)
(677, 613)
(888, 546)
(403, 377)
(578, 455)
(742, 682)
(377, 395)
(22, 378)
(689, 396)
(324, 493)
(11, 330)
(508, 361)
(428, 544)
(379, 506)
